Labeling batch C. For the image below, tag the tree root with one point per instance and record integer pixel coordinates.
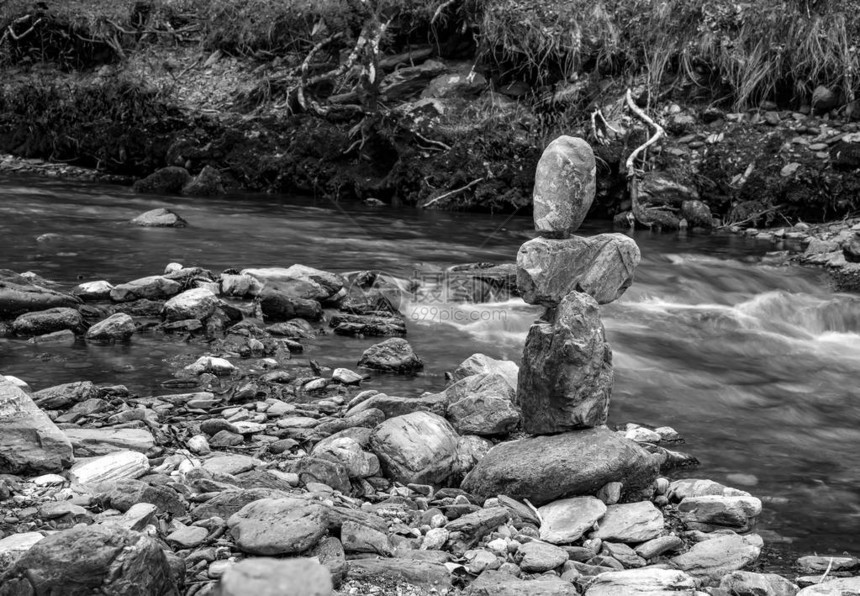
(639, 212)
(452, 193)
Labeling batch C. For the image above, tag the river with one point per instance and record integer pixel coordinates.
(756, 365)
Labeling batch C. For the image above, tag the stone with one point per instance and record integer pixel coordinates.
(126, 494)
(240, 285)
(231, 464)
(601, 266)
(209, 364)
(159, 218)
(566, 520)
(359, 538)
(119, 465)
(229, 502)
(205, 184)
(650, 581)
(19, 296)
(48, 321)
(197, 303)
(477, 364)
(851, 248)
(697, 214)
(93, 442)
(416, 448)
(165, 181)
(470, 450)
(91, 560)
(691, 487)
(348, 451)
(566, 376)
(278, 526)
(330, 472)
(29, 441)
(658, 546)
(413, 571)
(476, 525)
(824, 99)
(631, 522)
(537, 557)
(483, 415)
(564, 186)
(263, 576)
(718, 510)
(279, 276)
(746, 583)
(393, 355)
(546, 468)
(843, 586)
(330, 553)
(499, 583)
(719, 556)
(819, 564)
(188, 536)
(277, 305)
(346, 376)
(118, 326)
(12, 547)
(610, 493)
(392, 406)
(489, 384)
(153, 287)
(60, 397)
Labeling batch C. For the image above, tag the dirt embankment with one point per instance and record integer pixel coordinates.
(444, 104)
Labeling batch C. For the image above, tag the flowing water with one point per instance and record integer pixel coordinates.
(755, 365)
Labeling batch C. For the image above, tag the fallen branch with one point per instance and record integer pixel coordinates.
(751, 218)
(639, 212)
(440, 9)
(437, 145)
(10, 32)
(450, 194)
(303, 69)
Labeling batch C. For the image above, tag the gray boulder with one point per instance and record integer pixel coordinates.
(416, 448)
(153, 287)
(498, 583)
(278, 526)
(393, 355)
(118, 326)
(91, 560)
(697, 214)
(564, 186)
(566, 520)
(477, 364)
(278, 305)
(483, 415)
(263, 576)
(166, 181)
(197, 303)
(566, 376)
(159, 218)
(746, 583)
(17, 296)
(601, 266)
(547, 468)
(205, 184)
(651, 581)
(29, 441)
(631, 522)
(48, 321)
(717, 557)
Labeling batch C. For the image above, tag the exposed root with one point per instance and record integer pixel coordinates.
(452, 193)
(639, 212)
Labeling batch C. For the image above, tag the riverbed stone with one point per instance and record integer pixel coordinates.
(109, 468)
(393, 355)
(263, 576)
(747, 583)
(843, 586)
(60, 397)
(547, 468)
(564, 186)
(17, 297)
(693, 487)
(205, 184)
(278, 526)
(537, 557)
(29, 441)
(152, 287)
(658, 546)
(278, 305)
(716, 557)
(566, 376)
(420, 573)
(93, 290)
(164, 181)
(48, 321)
(478, 364)
(118, 326)
(812, 564)
(197, 303)
(12, 547)
(159, 218)
(484, 415)
(227, 503)
(631, 522)
(347, 451)
(601, 266)
(697, 213)
(499, 583)
(91, 560)
(717, 510)
(647, 580)
(416, 448)
(566, 520)
(125, 494)
(93, 442)
(280, 276)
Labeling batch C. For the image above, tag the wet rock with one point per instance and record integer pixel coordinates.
(601, 266)
(717, 510)
(107, 468)
(498, 583)
(332, 283)
(483, 415)
(420, 573)
(359, 538)
(658, 546)
(48, 321)
(844, 586)
(393, 355)
(819, 564)
(566, 520)
(14, 546)
(564, 186)
(93, 290)
(416, 448)
(60, 397)
(824, 99)
(330, 472)
(116, 327)
(93, 442)
(127, 493)
(547, 468)
(278, 526)
(631, 522)
(159, 218)
(276, 577)
(29, 441)
(566, 376)
(198, 303)
(481, 384)
(691, 487)
(209, 364)
(537, 557)
(697, 214)
(658, 188)
(478, 364)
(368, 325)
(717, 557)
(20, 297)
(280, 306)
(165, 181)
(187, 537)
(153, 287)
(745, 583)
(205, 184)
(642, 581)
(240, 285)
(91, 560)
(348, 451)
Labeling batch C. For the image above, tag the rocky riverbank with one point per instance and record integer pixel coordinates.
(256, 469)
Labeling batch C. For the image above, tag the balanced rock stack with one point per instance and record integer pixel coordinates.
(566, 377)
